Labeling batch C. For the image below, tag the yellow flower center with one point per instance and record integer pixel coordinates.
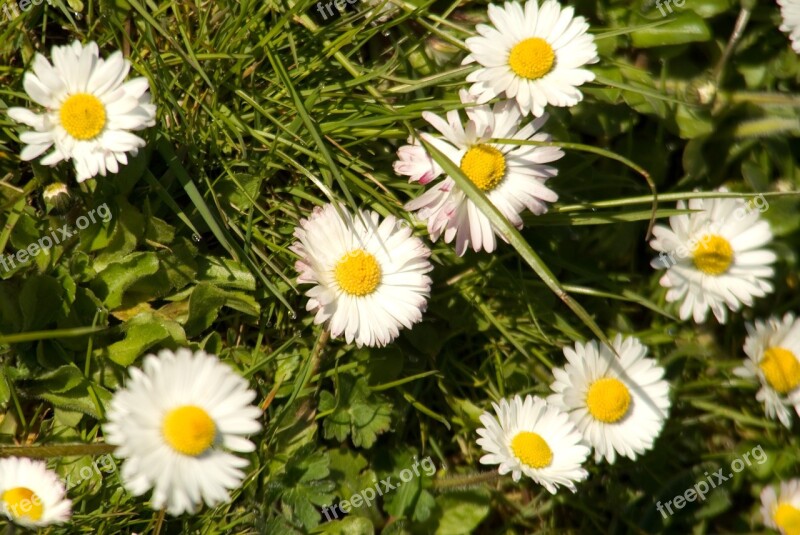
(83, 116)
(358, 273)
(787, 517)
(532, 58)
(484, 165)
(189, 430)
(531, 449)
(23, 502)
(781, 369)
(608, 400)
(713, 255)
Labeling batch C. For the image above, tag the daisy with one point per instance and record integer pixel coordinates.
(773, 348)
(790, 13)
(782, 512)
(368, 275)
(533, 54)
(57, 198)
(715, 257)
(31, 495)
(618, 404)
(512, 176)
(89, 111)
(174, 423)
(532, 438)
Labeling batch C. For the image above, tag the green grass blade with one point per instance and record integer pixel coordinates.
(514, 238)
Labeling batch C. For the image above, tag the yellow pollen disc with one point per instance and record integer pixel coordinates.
(189, 430)
(531, 449)
(608, 400)
(22, 502)
(358, 273)
(532, 58)
(484, 165)
(83, 116)
(781, 369)
(787, 517)
(713, 255)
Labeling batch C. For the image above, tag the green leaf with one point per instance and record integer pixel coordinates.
(61, 379)
(349, 469)
(411, 500)
(687, 27)
(206, 301)
(709, 8)
(693, 123)
(240, 193)
(179, 263)
(126, 226)
(112, 282)
(67, 418)
(25, 232)
(10, 316)
(5, 390)
(279, 526)
(177, 268)
(355, 412)
(158, 230)
(224, 272)
(38, 301)
(352, 525)
(142, 332)
(461, 512)
(76, 5)
(294, 428)
(67, 388)
(303, 487)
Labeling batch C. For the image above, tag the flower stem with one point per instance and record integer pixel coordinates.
(462, 481)
(738, 32)
(159, 521)
(61, 450)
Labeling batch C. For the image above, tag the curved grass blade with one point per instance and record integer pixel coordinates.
(600, 152)
(514, 238)
(233, 248)
(48, 335)
(310, 124)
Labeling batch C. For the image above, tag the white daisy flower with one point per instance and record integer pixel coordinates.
(89, 111)
(790, 13)
(618, 404)
(174, 422)
(715, 257)
(782, 512)
(533, 438)
(31, 495)
(368, 275)
(512, 176)
(533, 54)
(773, 348)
